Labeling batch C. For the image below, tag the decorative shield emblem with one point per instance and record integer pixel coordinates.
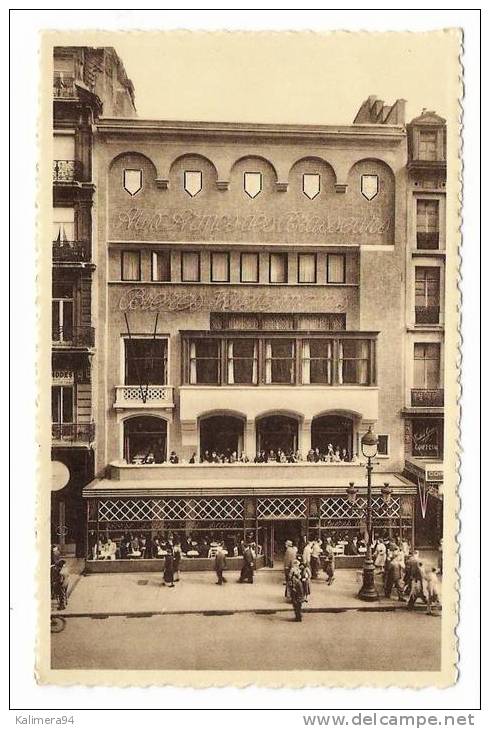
(252, 183)
(311, 185)
(369, 186)
(192, 182)
(133, 180)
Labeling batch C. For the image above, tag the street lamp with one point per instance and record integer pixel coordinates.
(369, 447)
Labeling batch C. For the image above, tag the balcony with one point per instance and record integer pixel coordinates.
(427, 398)
(144, 396)
(73, 433)
(71, 251)
(64, 87)
(73, 337)
(66, 170)
(427, 315)
(428, 241)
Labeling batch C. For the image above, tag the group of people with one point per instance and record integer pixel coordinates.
(329, 454)
(303, 566)
(141, 546)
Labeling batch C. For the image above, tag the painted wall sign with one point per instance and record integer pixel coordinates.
(171, 222)
(425, 441)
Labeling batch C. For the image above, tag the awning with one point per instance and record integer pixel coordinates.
(429, 472)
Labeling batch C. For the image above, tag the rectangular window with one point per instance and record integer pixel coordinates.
(130, 266)
(242, 361)
(205, 362)
(383, 445)
(62, 404)
(427, 295)
(249, 267)
(160, 266)
(191, 266)
(306, 268)
(62, 312)
(427, 224)
(426, 375)
(278, 268)
(145, 361)
(317, 361)
(64, 146)
(279, 361)
(220, 267)
(353, 365)
(63, 224)
(335, 268)
(428, 145)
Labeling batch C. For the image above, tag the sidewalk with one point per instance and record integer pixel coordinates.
(142, 594)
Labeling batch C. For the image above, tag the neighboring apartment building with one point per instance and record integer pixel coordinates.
(86, 81)
(255, 293)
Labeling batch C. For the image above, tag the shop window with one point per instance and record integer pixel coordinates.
(204, 362)
(353, 362)
(62, 404)
(383, 445)
(62, 312)
(63, 224)
(311, 185)
(427, 295)
(192, 182)
(428, 145)
(242, 357)
(335, 268)
(145, 361)
(279, 361)
(220, 267)
(317, 361)
(426, 366)
(145, 440)
(160, 266)
(306, 268)
(191, 266)
(252, 183)
(249, 267)
(427, 438)
(130, 266)
(278, 268)
(427, 224)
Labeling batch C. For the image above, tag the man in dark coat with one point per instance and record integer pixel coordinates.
(296, 591)
(220, 564)
(247, 572)
(168, 565)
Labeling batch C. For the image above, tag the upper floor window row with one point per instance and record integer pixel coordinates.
(282, 268)
(252, 183)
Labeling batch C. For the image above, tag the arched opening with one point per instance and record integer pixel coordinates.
(221, 435)
(333, 434)
(277, 433)
(145, 440)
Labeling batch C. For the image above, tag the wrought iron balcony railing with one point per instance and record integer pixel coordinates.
(130, 396)
(73, 336)
(427, 315)
(64, 87)
(73, 432)
(71, 251)
(66, 170)
(428, 241)
(428, 398)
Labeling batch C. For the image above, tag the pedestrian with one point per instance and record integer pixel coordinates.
(220, 564)
(394, 577)
(168, 566)
(247, 571)
(316, 550)
(417, 590)
(411, 569)
(433, 596)
(380, 556)
(177, 554)
(289, 557)
(306, 556)
(295, 588)
(329, 561)
(59, 583)
(305, 571)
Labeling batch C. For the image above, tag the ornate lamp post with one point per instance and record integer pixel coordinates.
(369, 447)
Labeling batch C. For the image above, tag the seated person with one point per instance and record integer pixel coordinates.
(193, 458)
(135, 548)
(173, 457)
(311, 456)
(271, 457)
(206, 457)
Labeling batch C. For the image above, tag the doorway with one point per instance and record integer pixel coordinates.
(276, 532)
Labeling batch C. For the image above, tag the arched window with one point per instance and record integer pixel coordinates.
(221, 435)
(335, 431)
(145, 440)
(277, 432)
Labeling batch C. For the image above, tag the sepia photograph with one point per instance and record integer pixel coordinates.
(248, 357)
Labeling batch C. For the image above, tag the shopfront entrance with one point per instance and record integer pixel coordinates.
(276, 532)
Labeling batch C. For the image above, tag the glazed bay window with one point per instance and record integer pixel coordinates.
(306, 268)
(205, 362)
(426, 375)
(191, 266)
(427, 295)
(278, 268)
(280, 361)
(427, 224)
(242, 361)
(353, 362)
(145, 361)
(160, 266)
(130, 266)
(317, 361)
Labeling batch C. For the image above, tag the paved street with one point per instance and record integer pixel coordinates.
(341, 641)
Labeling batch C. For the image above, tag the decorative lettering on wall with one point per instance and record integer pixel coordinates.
(141, 299)
(170, 222)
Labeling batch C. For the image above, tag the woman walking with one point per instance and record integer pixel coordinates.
(168, 566)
